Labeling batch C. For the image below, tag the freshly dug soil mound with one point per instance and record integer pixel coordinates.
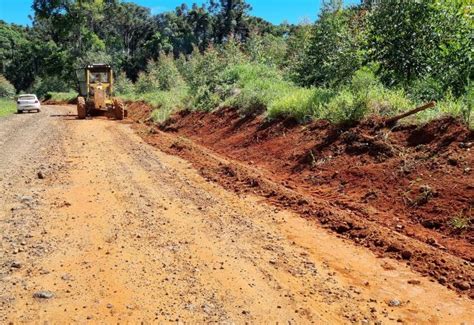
(405, 192)
(138, 111)
(419, 177)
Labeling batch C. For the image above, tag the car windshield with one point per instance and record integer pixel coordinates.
(27, 98)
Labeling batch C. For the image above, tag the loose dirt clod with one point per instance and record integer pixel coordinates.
(44, 294)
(40, 175)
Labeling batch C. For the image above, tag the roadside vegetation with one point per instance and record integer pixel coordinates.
(61, 97)
(7, 92)
(376, 58)
(7, 106)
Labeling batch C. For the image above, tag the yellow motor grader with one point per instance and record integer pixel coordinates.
(95, 93)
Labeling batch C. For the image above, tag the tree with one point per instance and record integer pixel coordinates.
(422, 39)
(231, 19)
(336, 48)
(297, 48)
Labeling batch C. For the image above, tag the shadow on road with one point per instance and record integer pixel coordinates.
(68, 117)
(63, 115)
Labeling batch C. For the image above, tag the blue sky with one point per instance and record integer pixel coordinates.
(276, 11)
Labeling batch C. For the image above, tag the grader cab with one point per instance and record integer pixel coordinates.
(95, 93)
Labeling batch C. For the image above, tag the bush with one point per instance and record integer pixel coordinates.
(164, 72)
(258, 94)
(160, 75)
(252, 87)
(231, 53)
(452, 106)
(387, 102)
(123, 85)
(363, 80)
(353, 101)
(185, 67)
(242, 74)
(146, 84)
(426, 89)
(205, 79)
(168, 103)
(414, 39)
(468, 99)
(164, 102)
(344, 108)
(6, 88)
(336, 48)
(267, 49)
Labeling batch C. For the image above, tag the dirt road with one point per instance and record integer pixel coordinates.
(98, 226)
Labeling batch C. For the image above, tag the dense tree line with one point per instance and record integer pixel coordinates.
(423, 48)
(65, 34)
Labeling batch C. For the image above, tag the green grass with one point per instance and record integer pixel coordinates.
(252, 88)
(460, 222)
(7, 106)
(302, 104)
(61, 96)
(258, 94)
(255, 88)
(164, 103)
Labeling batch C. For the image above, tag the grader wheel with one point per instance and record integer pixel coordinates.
(81, 108)
(119, 109)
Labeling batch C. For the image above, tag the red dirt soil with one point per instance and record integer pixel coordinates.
(397, 191)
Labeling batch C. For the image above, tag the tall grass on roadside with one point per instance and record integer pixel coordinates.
(363, 96)
(227, 76)
(302, 104)
(164, 103)
(461, 107)
(252, 88)
(61, 97)
(7, 106)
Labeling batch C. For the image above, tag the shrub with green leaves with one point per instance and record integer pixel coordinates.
(337, 47)
(419, 39)
(460, 107)
(160, 75)
(252, 87)
(257, 95)
(166, 103)
(205, 79)
(6, 88)
(145, 83)
(364, 95)
(426, 89)
(164, 72)
(387, 102)
(267, 49)
(123, 85)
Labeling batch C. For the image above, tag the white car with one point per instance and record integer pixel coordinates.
(28, 103)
